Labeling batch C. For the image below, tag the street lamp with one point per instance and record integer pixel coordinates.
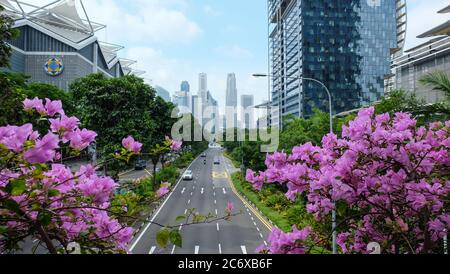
(330, 101)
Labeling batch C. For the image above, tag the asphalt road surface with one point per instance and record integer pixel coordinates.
(209, 192)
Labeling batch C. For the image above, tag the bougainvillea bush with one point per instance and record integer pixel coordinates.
(44, 200)
(389, 180)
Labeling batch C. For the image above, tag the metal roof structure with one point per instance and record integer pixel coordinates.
(445, 10)
(67, 21)
(443, 29)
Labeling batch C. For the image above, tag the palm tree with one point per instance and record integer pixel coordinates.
(439, 80)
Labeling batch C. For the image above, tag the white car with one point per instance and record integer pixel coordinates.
(188, 176)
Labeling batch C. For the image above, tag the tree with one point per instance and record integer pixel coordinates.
(400, 101)
(7, 33)
(440, 81)
(116, 108)
(388, 177)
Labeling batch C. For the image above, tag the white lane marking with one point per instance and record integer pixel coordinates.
(224, 191)
(152, 250)
(185, 212)
(220, 249)
(252, 218)
(257, 228)
(159, 210)
(265, 243)
(197, 248)
(202, 190)
(254, 223)
(216, 212)
(184, 189)
(35, 240)
(192, 193)
(189, 202)
(261, 235)
(215, 202)
(214, 194)
(244, 249)
(249, 214)
(218, 229)
(181, 227)
(173, 250)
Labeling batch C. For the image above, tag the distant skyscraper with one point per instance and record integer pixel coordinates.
(247, 101)
(185, 86)
(163, 93)
(202, 85)
(346, 44)
(231, 96)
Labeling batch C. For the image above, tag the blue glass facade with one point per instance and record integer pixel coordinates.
(346, 44)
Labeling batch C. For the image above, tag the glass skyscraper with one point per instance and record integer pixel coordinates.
(346, 44)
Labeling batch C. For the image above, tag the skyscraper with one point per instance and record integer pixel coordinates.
(231, 97)
(247, 102)
(346, 44)
(202, 85)
(185, 87)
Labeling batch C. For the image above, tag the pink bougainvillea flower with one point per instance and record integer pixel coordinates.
(44, 150)
(132, 145)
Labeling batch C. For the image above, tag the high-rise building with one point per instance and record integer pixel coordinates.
(231, 99)
(202, 85)
(247, 102)
(346, 44)
(431, 56)
(163, 93)
(185, 87)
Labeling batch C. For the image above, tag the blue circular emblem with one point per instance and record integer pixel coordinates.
(54, 66)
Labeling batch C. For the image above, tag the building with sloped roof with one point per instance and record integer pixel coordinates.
(57, 44)
(431, 56)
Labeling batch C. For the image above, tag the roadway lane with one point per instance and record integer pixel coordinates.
(209, 192)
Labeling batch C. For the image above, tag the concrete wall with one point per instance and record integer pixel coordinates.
(74, 68)
(408, 77)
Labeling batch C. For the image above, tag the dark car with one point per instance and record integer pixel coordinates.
(203, 155)
(140, 165)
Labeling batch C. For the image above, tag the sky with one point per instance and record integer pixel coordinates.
(175, 40)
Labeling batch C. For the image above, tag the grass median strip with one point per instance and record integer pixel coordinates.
(269, 213)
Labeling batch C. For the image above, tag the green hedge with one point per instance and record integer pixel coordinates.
(245, 188)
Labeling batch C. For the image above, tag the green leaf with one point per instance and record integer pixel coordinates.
(45, 218)
(176, 239)
(12, 205)
(180, 218)
(53, 192)
(162, 238)
(16, 187)
(3, 229)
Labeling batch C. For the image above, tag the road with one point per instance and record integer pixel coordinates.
(209, 192)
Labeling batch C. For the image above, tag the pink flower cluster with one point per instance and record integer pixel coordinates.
(295, 242)
(175, 145)
(391, 173)
(78, 203)
(163, 190)
(132, 145)
(50, 108)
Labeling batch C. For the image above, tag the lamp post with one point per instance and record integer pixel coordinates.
(330, 101)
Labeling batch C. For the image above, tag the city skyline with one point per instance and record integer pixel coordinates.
(212, 32)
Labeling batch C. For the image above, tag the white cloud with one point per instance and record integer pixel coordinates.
(423, 16)
(144, 21)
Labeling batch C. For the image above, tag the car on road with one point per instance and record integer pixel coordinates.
(140, 165)
(188, 175)
(203, 155)
(216, 161)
